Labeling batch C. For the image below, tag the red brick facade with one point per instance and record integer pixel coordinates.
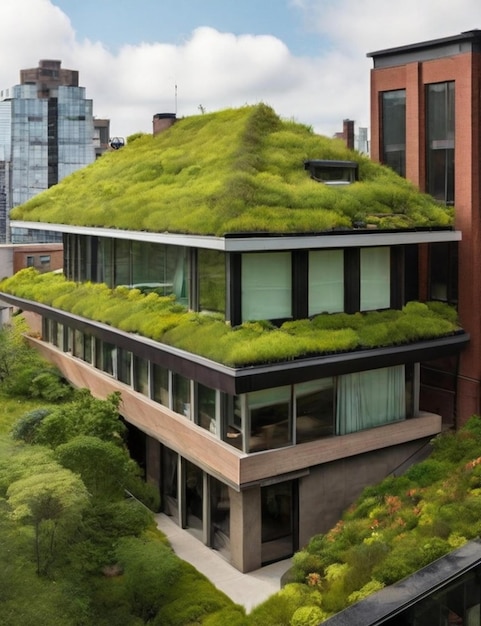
(411, 68)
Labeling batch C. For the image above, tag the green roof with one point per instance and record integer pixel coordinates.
(238, 170)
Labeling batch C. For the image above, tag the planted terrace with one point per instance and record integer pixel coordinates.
(233, 171)
(162, 319)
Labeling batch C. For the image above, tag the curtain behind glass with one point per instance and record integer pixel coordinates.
(369, 399)
(326, 281)
(375, 278)
(266, 286)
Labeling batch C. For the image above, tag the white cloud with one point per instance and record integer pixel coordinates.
(218, 70)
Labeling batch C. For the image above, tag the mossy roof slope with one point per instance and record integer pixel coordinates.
(238, 170)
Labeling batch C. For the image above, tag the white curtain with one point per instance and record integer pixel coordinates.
(266, 286)
(369, 399)
(375, 278)
(326, 281)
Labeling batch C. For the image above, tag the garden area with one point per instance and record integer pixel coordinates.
(77, 551)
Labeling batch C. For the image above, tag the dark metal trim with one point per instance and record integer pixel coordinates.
(251, 378)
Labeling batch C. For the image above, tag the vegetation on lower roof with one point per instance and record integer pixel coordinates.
(394, 529)
(238, 170)
(256, 342)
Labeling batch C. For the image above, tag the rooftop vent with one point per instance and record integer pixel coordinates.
(334, 173)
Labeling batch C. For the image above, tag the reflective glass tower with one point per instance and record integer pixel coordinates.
(46, 133)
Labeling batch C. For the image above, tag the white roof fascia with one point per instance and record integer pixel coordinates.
(252, 243)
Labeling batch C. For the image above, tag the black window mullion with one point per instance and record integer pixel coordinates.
(352, 280)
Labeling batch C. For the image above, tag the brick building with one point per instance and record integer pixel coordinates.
(426, 124)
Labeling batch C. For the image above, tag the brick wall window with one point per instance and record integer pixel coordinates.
(440, 141)
(393, 130)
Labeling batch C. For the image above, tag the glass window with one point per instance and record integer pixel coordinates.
(181, 395)
(326, 281)
(443, 272)
(212, 295)
(220, 516)
(141, 375)
(124, 366)
(122, 262)
(266, 286)
(393, 111)
(30, 261)
(277, 514)
(269, 413)
(170, 489)
(369, 399)
(375, 278)
(161, 384)
(440, 141)
(314, 409)
(206, 403)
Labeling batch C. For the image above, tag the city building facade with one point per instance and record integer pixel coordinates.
(426, 125)
(254, 458)
(46, 133)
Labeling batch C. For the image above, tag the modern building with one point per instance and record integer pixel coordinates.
(46, 133)
(255, 226)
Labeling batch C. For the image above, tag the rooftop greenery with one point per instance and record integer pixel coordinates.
(238, 170)
(164, 320)
(394, 529)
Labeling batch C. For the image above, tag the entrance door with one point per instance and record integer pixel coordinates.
(279, 521)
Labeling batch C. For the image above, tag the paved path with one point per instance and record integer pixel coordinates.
(249, 590)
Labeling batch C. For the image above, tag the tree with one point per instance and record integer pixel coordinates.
(105, 468)
(85, 415)
(52, 502)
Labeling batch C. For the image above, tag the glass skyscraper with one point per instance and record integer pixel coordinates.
(46, 133)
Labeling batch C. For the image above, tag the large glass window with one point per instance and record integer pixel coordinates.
(393, 111)
(277, 512)
(141, 375)
(266, 286)
(181, 395)
(270, 418)
(369, 399)
(314, 409)
(443, 272)
(206, 414)
(440, 141)
(375, 279)
(326, 281)
(211, 264)
(125, 366)
(160, 385)
(170, 487)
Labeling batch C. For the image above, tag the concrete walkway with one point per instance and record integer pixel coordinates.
(249, 590)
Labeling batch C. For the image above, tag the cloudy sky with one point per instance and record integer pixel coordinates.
(306, 58)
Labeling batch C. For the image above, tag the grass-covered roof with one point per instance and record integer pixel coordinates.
(236, 170)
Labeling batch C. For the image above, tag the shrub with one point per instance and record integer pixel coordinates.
(308, 616)
(26, 427)
(150, 570)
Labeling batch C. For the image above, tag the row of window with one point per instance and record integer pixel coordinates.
(440, 132)
(263, 285)
(259, 420)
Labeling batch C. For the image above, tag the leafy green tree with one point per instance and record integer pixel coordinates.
(52, 502)
(85, 415)
(105, 468)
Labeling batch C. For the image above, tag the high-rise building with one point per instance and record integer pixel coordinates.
(46, 133)
(426, 125)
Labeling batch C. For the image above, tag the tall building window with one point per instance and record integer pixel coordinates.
(393, 111)
(266, 286)
(440, 141)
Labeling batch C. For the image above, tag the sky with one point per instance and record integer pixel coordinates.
(305, 58)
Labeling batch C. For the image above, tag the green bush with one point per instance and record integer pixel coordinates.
(150, 570)
(26, 427)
